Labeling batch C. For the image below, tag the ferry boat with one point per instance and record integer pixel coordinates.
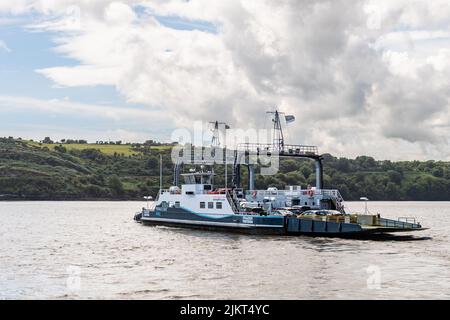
(198, 203)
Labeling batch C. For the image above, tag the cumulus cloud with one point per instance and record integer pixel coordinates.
(361, 76)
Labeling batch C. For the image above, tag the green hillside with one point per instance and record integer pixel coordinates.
(32, 170)
(106, 148)
(80, 171)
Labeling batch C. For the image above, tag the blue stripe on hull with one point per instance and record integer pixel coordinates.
(227, 228)
(182, 216)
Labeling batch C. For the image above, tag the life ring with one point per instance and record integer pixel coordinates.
(311, 193)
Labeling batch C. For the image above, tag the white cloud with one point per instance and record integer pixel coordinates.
(8, 21)
(67, 107)
(81, 76)
(123, 122)
(361, 76)
(4, 47)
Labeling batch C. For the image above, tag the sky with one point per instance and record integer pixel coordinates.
(366, 77)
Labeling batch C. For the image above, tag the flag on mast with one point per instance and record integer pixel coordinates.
(289, 118)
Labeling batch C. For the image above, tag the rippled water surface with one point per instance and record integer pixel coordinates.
(90, 250)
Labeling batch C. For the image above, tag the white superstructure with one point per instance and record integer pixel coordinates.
(197, 195)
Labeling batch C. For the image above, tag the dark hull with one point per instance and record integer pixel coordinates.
(362, 235)
(255, 231)
(272, 225)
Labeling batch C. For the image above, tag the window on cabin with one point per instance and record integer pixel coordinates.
(189, 179)
(218, 205)
(210, 205)
(202, 205)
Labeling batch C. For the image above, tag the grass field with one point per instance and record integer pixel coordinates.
(108, 149)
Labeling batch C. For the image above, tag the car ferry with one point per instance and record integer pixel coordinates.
(198, 203)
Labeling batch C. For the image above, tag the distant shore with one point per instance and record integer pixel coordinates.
(74, 170)
(143, 200)
(18, 199)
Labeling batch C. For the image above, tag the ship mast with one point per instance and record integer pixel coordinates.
(277, 134)
(215, 143)
(215, 140)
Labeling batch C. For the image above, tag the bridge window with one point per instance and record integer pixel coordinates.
(210, 205)
(202, 205)
(189, 179)
(218, 205)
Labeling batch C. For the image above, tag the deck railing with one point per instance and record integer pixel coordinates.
(296, 193)
(282, 150)
(390, 223)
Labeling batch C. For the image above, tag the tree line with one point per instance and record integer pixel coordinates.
(36, 172)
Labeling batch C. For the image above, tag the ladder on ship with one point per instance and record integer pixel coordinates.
(232, 203)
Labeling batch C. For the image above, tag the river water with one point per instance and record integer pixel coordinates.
(94, 250)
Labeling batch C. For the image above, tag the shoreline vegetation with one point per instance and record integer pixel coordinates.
(75, 170)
